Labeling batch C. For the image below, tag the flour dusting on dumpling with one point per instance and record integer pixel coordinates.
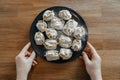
(65, 53)
(51, 33)
(41, 25)
(48, 15)
(50, 44)
(79, 32)
(57, 23)
(39, 38)
(76, 45)
(65, 41)
(52, 55)
(70, 27)
(65, 14)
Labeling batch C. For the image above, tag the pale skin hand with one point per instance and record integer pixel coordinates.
(24, 62)
(92, 62)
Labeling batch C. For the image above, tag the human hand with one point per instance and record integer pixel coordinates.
(24, 62)
(93, 62)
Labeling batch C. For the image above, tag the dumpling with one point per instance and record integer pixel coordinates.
(51, 33)
(65, 53)
(52, 55)
(70, 27)
(65, 14)
(41, 25)
(65, 41)
(76, 45)
(39, 38)
(79, 32)
(48, 15)
(50, 44)
(57, 23)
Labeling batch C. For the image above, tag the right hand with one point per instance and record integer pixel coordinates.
(92, 62)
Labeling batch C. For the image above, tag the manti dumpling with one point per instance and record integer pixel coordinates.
(65, 41)
(50, 44)
(76, 45)
(57, 23)
(41, 25)
(51, 33)
(79, 32)
(65, 53)
(70, 27)
(52, 55)
(39, 38)
(48, 15)
(65, 14)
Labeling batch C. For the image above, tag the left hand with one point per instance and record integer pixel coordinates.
(24, 62)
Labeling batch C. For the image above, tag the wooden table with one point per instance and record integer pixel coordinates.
(103, 21)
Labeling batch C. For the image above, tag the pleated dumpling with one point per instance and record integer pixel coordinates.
(76, 45)
(65, 41)
(50, 44)
(52, 55)
(48, 15)
(39, 38)
(51, 33)
(65, 14)
(65, 53)
(57, 23)
(41, 25)
(70, 27)
(79, 32)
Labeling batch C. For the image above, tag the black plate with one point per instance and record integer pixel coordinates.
(40, 50)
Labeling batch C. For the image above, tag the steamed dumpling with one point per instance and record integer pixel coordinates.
(65, 53)
(41, 25)
(39, 38)
(70, 27)
(76, 45)
(57, 23)
(65, 41)
(79, 32)
(48, 15)
(51, 33)
(50, 44)
(52, 55)
(65, 14)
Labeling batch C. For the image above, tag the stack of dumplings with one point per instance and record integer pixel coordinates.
(52, 26)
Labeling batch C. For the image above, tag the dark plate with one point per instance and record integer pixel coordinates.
(40, 50)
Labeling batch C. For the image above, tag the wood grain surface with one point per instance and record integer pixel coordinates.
(103, 21)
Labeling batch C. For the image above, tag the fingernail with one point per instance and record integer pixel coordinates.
(83, 52)
(29, 43)
(33, 52)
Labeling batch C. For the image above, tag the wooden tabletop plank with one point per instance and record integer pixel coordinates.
(102, 18)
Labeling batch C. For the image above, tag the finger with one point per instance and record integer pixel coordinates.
(32, 56)
(87, 49)
(35, 62)
(94, 54)
(28, 54)
(24, 50)
(85, 58)
(93, 51)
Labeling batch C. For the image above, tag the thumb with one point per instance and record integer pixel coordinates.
(85, 58)
(32, 56)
